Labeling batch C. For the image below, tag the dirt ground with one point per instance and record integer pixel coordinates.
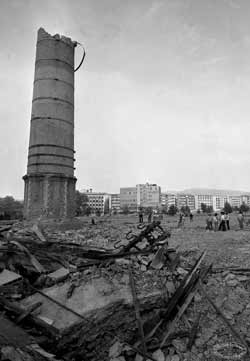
(229, 289)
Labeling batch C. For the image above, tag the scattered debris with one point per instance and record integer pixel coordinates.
(104, 294)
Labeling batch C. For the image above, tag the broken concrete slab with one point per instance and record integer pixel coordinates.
(59, 275)
(7, 277)
(95, 294)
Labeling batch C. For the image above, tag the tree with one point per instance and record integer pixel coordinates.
(185, 210)
(97, 212)
(148, 210)
(81, 203)
(88, 211)
(210, 209)
(164, 209)
(228, 208)
(172, 210)
(125, 209)
(203, 207)
(244, 208)
(10, 208)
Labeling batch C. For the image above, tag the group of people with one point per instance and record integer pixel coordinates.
(152, 215)
(182, 217)
(221, 222)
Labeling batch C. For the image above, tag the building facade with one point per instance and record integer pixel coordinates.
(164, 198)
(98, 202)
(207, 199)
(128, 198)
(114, 204)
(171, 200)
(148, 195)
(185, 200)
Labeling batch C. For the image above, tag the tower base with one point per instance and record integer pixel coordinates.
(49, 196)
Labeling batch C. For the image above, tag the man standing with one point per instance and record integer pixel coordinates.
(227, 221)
(241, 220)
(150, 216)
(222, 226)
(140, 215)
(215, 222)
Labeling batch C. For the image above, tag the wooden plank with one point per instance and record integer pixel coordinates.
(235, 333)
(14, 308)
(137, 312)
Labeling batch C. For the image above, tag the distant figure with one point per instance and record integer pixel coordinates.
(209, 222)
(191, 216)
(222, 226)
(150, 217)
(181, 220)
(240, 218)
(93, 222)
(140, 216)
(227, 221)
(215, 222)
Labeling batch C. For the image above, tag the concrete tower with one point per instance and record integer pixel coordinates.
(50, 182)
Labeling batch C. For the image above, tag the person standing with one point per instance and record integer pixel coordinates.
(215, 222)
(181, 217)
(140, 215)
(227, 221)
(240, 218)
(222, 226)
(150, 216)
(209, 222)
(191, 216)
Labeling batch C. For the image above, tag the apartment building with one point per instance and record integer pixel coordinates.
(164, 197)
(235, 201)
(245, 199)
(185, 200)
(171, 199)
(128, 197)
(114, 204)
(208, 199)
(98, 201)
(148, 195)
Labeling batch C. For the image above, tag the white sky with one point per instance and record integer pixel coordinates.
(163, 95)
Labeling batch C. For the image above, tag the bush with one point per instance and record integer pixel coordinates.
(125, 209)
(228, 208)
(172, 210)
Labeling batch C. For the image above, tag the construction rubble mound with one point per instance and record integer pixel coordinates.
(120, 293)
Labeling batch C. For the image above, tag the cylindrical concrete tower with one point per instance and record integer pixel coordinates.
(50, 182)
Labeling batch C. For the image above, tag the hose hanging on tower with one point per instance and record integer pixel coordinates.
(83, 56)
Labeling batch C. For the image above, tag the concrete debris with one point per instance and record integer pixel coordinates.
(75, 297)
(7, 277)
(158, 355)
(115, 350)
(59, 275)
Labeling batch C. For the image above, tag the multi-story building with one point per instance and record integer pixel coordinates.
(245, 199)
(235, 201)
(148, 195)
(128, 197)
(207, 199)
(164, 198)
(114, 202)
(171, 199)
(98, 201)
(186, 200)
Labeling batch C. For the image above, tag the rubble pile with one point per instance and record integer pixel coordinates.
(102, 293)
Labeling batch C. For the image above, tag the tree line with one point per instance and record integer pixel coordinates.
(10, 208)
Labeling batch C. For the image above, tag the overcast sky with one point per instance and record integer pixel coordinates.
(163, 96)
